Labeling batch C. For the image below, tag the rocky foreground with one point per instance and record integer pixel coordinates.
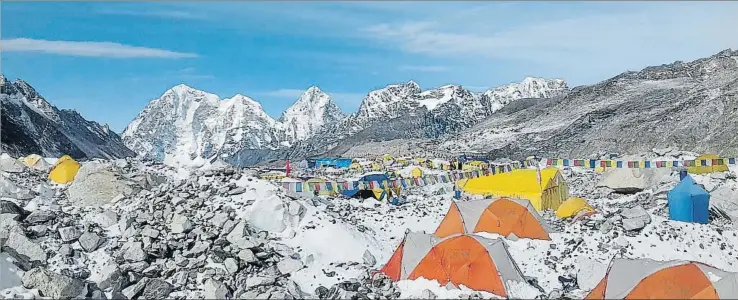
(134, 230)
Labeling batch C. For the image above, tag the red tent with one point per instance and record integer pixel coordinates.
(287, 168)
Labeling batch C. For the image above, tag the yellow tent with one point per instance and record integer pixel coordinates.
(416, 173)
(64, 170)
(573, 207)
(30, 160)
(388, 157)
(376, 167)
(355, 166)
(523, 184)
(309, 185)
(699, 168)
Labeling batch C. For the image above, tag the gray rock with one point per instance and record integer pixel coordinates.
(295, 208)
(239, 237)
(38, 230)
(606, 226)
(90, 241)
(632, 180)
(247, 256)
(95, 186)
(133, 291)
(65, 250)
(219, 219)
(8, 207)
(27, 253)
(134, 252)
(237, 191)
(69, 234)
(231, 265)
(156, 289)
(427, 294)
(369, 259)
(180, 224)
(635, 218)
(289, 265)
(259, 281)
(53, 285)
(110, 276)
(199, 248)
(216, 290)
(150, 232)
(40, 216)
(106, 219)
(8, 224)
(294, 289)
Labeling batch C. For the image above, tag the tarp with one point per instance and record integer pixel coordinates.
(64, 170)
(689, 202)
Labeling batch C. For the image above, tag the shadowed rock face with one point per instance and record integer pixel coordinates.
(31, 125)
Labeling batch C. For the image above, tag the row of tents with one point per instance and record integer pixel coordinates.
(62, 170)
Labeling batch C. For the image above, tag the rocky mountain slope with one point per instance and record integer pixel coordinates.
(30, 124)
(405, 112)
(685, 105)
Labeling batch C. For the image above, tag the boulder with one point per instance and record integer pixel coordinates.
(53, 285)
(133, 252)
(180, 224)
(269, 214)
(8, 207)
(8, 189)
(724, 200)
(27, 253)
(40, 216)
(239, 237)
(635, 218)
(289, 265)
(11, 165)
(629, 180)
(216, 290)
(69, 234)
(90, 241)
(369, 259)
(156, 289)
(95, 185)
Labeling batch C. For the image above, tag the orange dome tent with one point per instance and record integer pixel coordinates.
(650, 279)
(478, 263)
(501, 215)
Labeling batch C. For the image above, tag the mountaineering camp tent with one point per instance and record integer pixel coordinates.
(474, 165)
(689, 202)
(416, 173)
(319, 184)
(333, 162)
(704, 164)
(650, 279)
(478, 263)
(36, 162)
(64, 170)
(523, 184)
(573, 207)
(273, 175)
(502, 216)
(388, 158)
(355, 166)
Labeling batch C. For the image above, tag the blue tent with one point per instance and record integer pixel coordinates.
(689, 202)
(380, 177)
(333, 162)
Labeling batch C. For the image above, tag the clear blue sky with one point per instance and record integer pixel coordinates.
(108, 60)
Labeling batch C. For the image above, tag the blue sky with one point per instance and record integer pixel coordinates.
(108, 60)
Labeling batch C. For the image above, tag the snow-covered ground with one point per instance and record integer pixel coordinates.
(324, 245)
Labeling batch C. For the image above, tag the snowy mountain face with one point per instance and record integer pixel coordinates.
(189, 124)
(310, 113)
(31, 125)
(684, 105)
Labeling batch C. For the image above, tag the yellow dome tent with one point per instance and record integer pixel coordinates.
(700, 168)
(572, 207)
(523, 184)
(416, 173)
(64, 170)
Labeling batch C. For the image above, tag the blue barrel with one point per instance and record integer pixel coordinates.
(457, 195)
(682, 174)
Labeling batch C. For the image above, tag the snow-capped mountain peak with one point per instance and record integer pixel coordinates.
(530, 87)
(310, 113)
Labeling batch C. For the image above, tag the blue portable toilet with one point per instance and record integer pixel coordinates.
(689, 202)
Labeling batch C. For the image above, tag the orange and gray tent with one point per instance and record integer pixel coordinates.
(501, 215)
(476, 262)
(650, 279)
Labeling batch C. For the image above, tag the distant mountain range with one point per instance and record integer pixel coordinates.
(186, 124)
(690, 106)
